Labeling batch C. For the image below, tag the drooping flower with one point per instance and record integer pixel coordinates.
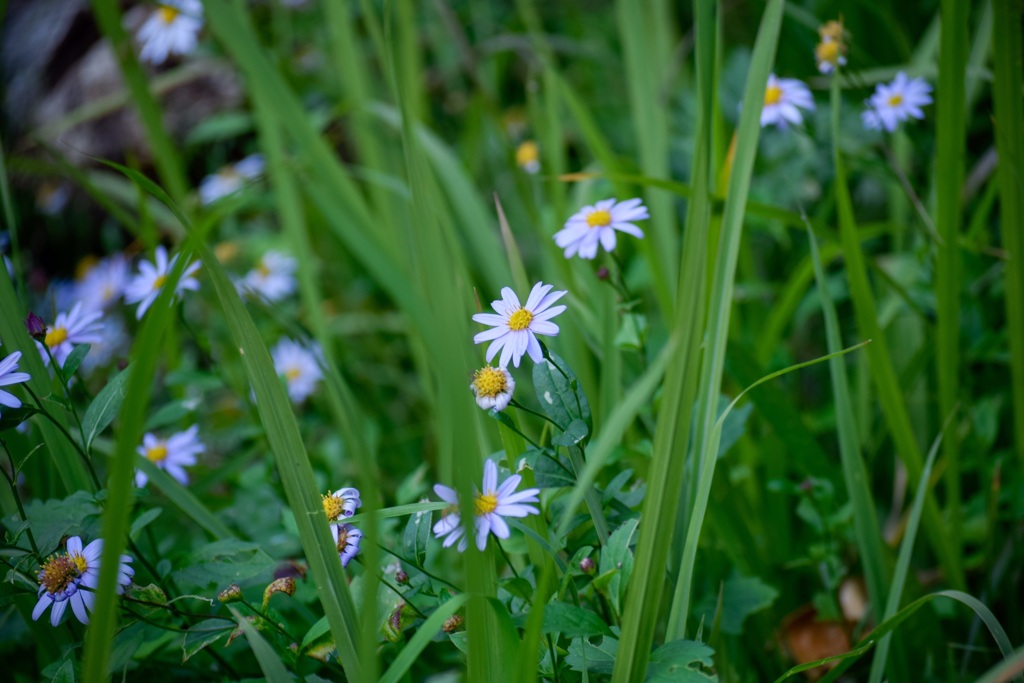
(104, 283)
(515, 326)
(8, 376)
(299, 366)
(346, 538)
(894, 102)
(171, 455)
(172, 29)
(71, 577)
(145, 287)
(273, 278)
(230, 179)
(77, 326)
(831, 51)
(493, 388)
(491, 505)
(343, 503)
(783, 100)
(597, 224)
(528, 156)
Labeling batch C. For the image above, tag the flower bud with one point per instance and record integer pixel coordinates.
(232, 593)
(453, 624)
(401, 577)
(603, 273)
(36, 326)
(587, 565)
(285, 585)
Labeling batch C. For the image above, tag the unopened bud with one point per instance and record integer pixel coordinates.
(401, 577)
(603, 273)
(453, 624)
(232, 593)
(587, 565)
(285, 585)
(36, 327)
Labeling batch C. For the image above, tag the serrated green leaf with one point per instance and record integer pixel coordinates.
(103, 409)
(572, 621)
(598, 659)
(221, 563)
(681, 661)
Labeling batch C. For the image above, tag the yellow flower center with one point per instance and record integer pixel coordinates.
(56, 336)
(159, 282)
(262, 269)
(332, 507)
(827, 52)
(520, 320)
(489, 382)
(831, 31)
(485, 503)
(599, 219)
(342, 539)
(168, 14)
(895, 100)
(527, 153)
(60, 570)
(773, 95)
(292, 374)
(157, 453)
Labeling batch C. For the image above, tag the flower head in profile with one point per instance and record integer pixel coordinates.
(528, 156)
(493, 388)
(77, 326)
(490, 506)
(8, 376)
(273, 278)
(597, 224)
(830, 53)
(172, 455)
(145, 287)
(172, 29)
(783, 100)
(515, 326)
(341, 504)
(71, 577)
(895, 102)
(104, 283)
(230, 179)
(299, 366)
(346, 538)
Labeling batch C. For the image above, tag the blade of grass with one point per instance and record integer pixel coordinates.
(899, 576)
(424, 634)
(665, 481)
(951, 148)
(1009, 128)
(720, 306)
(883, 373)
(858, 487)
(270, 662)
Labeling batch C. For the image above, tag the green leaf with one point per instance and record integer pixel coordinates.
(574, 433)
(598, 659)
(572, 621)
(65, 673)
(741, 597)
(321, 627)
(221, 563)
(76, 515)
(681, 661)
(559, 393)
(150, 593)
(417, 536)
(74, 360)
(270, 662)
(142, 521)
(618, 556)
(12, 417)
(103, 409)
(185, 500)
(204, 633)
(424, 634)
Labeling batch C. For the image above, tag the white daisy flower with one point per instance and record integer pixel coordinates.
(597, 224)
(171, 455)
(8, 376)
(299, 366)
(341, 503)
(145, 287)
(230, 179)
(104, 283)
(71, 577)
(783, 100)
(516, 326)
(528, 157)
(493, 388)
(172, 29)
(491, 506)
(346, 538)
(894, 102)
(273, 278)
(114, 342)
(77, 326)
